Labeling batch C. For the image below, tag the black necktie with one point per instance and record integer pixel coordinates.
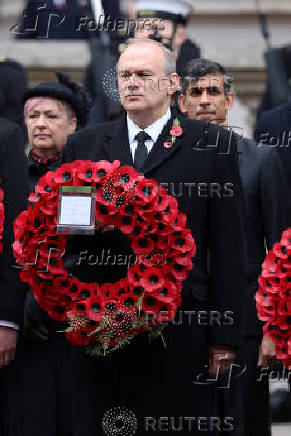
(141, 152)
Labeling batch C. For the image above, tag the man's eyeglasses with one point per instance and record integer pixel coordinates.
(197, 91)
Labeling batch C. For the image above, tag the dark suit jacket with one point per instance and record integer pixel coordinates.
(215, 219)
(276, 124)
(14, 183)
(146, 377)
(265, 191)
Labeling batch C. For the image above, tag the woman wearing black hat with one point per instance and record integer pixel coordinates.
(37, 390)
(52, 111)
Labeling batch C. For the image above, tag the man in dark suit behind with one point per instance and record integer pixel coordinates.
(165, 387)
(207, 95)
(14, 185)
(274, 128)
(14, 189)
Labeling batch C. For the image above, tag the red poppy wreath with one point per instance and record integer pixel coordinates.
(274, 297)
(105, 317)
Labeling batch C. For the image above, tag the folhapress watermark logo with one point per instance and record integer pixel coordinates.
(119, 421)
(104, 23)
(282, 141)
(38, 20)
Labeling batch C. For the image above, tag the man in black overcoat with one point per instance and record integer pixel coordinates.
(14, 185)
(164, 383)
(207, 94)
(14, 188)
(274, 128)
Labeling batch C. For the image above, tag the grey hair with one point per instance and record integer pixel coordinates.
(170, 61)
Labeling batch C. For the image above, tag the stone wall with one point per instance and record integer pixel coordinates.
(227, 31)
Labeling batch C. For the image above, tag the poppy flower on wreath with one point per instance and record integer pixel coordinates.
(168, 208)
(126, 223)
(283, 268)
(270, 282)
(142, 245)
(86, 171)
(132, 298)
(284, 307)
(273, 297)
(166, 293)
(181, 241)
(162, 244)
(146, 191)
(119, 187)
(66, 175)
(285, 287)
(104, 317)
(281, 250)
(286, 239)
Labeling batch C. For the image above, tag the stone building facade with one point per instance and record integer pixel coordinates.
(227, 31)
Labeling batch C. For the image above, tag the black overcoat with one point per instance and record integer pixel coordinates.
(274, 128)
(36, 395)
(265, 191)
(267, 213)
(14, 183)
(150, 379)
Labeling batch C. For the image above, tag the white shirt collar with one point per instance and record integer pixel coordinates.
(154, 129)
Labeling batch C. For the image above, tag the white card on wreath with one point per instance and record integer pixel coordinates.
(75, 210)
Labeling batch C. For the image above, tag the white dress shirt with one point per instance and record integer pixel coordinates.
(153, 130)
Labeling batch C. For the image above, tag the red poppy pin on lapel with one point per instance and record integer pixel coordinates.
(175, 131)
